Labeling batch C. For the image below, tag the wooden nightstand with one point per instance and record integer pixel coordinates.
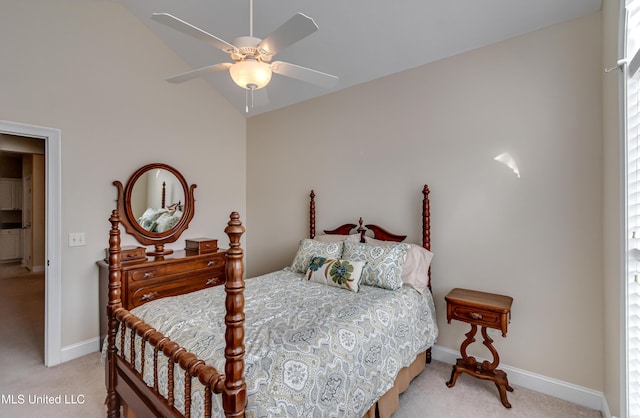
(486, 310)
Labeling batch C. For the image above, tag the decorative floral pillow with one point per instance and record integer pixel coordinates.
(337, 273)
(384, 263)
(311, 248)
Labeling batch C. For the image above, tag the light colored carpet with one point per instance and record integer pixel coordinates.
(76, 388)
(27, 387)
(429, 397)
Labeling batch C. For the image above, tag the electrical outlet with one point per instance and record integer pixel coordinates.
(77, 239)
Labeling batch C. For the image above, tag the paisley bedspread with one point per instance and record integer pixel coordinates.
(311, 350)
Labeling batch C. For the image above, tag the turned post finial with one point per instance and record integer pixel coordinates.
(114, 260)
(234, 230)
(361, 229)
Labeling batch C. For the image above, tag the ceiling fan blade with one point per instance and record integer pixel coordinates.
(305, 74)
(290, 32)
(199, 72)
(187, 28)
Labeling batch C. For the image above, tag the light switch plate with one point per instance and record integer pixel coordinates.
(77, 239)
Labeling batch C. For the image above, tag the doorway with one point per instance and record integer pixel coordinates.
(52, 217)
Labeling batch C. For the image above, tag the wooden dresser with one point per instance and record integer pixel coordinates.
(175, 274)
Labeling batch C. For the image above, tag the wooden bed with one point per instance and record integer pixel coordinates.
(126, 388)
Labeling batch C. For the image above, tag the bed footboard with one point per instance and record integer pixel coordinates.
(125, 383)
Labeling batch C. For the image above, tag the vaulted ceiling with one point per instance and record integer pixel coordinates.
(357, 40)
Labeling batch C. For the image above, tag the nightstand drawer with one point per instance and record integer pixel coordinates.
(476, 316)
(479, 308)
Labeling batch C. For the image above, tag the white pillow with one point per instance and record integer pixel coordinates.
(415, 272)
(151, 215)
(165, 222)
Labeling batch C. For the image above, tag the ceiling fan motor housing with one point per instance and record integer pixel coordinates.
(247, 46)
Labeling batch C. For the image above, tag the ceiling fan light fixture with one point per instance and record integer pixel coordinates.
(250, 74)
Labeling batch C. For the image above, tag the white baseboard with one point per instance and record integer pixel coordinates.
(563, 390)
(80, 349)
(37, 269)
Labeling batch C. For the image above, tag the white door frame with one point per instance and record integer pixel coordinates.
(53, 260)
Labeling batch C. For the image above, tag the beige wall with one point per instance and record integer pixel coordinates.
(368, 150)
(92, 70)
(613, 283)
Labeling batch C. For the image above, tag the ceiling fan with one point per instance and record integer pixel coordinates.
(252, 65)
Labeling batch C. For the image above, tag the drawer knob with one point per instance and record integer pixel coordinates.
(148, 275)
(149, 296)
(211, 281)
(211, 263)
(475, 315)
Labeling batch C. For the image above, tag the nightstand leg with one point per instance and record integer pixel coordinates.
(463, 347)
(465, 361)
(454, 376)
(503, 386)
(484, 370)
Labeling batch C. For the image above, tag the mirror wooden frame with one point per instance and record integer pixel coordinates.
(129, 220)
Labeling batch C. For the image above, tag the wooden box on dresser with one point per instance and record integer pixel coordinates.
(175, 274)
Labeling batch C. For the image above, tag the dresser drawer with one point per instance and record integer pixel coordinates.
(146, 294)
(215, 261)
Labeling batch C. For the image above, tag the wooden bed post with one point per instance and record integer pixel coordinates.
(426, 224)
(113, 401)
(426, 240)
(312, 215)
(164, 194)
(426, 218)
(234, 395)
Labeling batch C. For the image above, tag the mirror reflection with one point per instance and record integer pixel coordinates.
(157, 200)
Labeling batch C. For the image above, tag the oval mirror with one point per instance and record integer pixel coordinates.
(156, 205)
(157, 200)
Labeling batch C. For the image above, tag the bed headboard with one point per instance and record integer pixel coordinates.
(377, 231)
